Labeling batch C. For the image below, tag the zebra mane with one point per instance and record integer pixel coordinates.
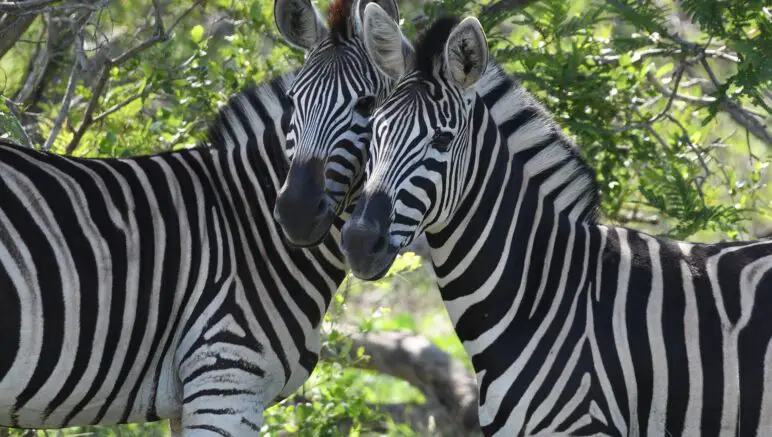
(536, 140)
(339, 19)
(430, 46)
(268, 99)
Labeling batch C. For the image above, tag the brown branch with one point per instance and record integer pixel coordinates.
(11, 30)
(445, 383)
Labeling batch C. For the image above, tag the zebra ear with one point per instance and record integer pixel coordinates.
(390, 6)
(385, 44)
(299, 23)
(466, 52)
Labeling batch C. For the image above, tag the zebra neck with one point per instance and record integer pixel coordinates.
(528, 207)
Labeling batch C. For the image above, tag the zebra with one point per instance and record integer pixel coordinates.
(573, 327)
(333, 96)
(154, 287)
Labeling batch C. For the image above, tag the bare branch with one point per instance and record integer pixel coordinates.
(65, 106)
(24, 6)
(183, 15)
(117, 107)
(11, 30)
(637, 217)
(444, 382)
(492, 8)
(92, 104)
(639, 56)
(36, 71)
(702, 101)
(738, 114)
(159, 22)
(679, 72)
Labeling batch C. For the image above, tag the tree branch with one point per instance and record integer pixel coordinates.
(738, 114)
(445, 383)
(701, 101)
(89, 114)
(159, 34)
(25, 6)
(65, 106)
(12, 107)
(11, 29)
(679, 72)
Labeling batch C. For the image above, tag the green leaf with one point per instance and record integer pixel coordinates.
(197, 33)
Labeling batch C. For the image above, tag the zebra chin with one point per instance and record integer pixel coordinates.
(370, 269)
(367, 252)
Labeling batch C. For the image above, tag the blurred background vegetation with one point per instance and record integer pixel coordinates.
(669, 101)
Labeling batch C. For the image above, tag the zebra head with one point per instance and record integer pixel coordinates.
(333, 95)
(420, 152)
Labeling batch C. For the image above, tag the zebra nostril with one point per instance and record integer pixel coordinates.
(321, 207)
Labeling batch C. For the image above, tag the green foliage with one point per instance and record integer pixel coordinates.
(600, 68)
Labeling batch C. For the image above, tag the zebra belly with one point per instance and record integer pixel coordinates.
(149, 403)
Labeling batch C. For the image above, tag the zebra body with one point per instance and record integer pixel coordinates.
(158, 287)
(333, 95)
(573, 328)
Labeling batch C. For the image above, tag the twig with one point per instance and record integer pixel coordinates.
(678, 75)
(653, 52)
(183, 15)
(638, 217)
(15, 111)
(24, 6)
(702, 101)
(738, 114)
(159, 34)
(92, 104)
(117, 106)
(65, 106)
(11, 30)
(159, 22)
(36, 70)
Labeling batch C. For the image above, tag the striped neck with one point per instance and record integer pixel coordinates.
(249, 135)
(528, 185)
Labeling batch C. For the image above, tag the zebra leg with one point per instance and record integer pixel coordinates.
(232, 406)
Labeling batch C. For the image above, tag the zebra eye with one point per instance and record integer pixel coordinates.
(364, 106)
(441, 140)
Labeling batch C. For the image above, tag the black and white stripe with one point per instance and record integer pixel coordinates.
(573, 328)
(158, 287)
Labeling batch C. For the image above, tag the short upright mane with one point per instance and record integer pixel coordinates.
(269, 100)
(430, 46)
(338, 19)
(533, 135)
